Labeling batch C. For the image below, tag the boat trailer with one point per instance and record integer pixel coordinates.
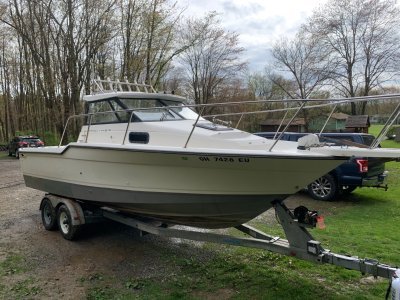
(69, 215)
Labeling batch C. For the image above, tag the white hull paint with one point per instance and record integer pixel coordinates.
(173, 184)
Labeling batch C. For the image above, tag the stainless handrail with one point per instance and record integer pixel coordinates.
(194, 126)
(393, 117)
(127, 127)
(65, 129)
(280, 124)
(240, 119)
(88, 129)
(327, 120)
(287, 125)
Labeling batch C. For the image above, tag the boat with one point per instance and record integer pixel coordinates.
(152, 155)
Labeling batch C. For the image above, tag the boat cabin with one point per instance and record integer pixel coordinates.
(156, 119)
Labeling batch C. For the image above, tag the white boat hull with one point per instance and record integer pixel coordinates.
(213, 190)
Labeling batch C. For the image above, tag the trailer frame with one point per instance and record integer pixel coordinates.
(299, 243)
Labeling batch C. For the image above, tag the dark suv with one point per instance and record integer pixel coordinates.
(23, 142)
(356, 172)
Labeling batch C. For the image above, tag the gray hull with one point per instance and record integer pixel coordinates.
(206, 211)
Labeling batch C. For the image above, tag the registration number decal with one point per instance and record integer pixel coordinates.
(224, 159)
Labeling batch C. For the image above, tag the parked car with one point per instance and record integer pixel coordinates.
(356, 172)
(22, 142)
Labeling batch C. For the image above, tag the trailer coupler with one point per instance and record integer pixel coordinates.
(300, 240)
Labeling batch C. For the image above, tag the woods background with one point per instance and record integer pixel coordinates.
(51, 49)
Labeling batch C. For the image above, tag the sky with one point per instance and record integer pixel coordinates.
(258, 22)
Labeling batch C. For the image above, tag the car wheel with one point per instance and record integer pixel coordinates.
(324, 188)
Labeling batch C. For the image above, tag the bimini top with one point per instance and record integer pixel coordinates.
(105, 89)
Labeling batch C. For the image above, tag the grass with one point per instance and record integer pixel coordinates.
(13, 265)
(375, 129)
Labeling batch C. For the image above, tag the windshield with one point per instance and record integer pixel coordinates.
(117, 110)
(185, 112)
(150, 109)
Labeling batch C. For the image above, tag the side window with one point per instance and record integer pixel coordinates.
(107, 111)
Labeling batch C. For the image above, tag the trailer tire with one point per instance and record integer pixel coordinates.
(68, 231)
(48, 213)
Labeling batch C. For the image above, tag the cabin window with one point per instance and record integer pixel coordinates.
(150, 109)
(184, 111)
(107, 111)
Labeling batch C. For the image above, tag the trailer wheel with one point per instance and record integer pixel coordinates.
(324, 188)
(49, 217)
(68, 231)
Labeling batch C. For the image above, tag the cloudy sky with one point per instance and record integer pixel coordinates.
(258, 22)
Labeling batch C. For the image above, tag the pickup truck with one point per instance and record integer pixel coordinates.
(356, 172)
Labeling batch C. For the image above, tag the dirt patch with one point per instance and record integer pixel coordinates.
(53, 267)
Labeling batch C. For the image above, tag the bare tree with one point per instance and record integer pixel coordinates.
(380, 43)
(303, 61)
(212, 60)
(148, 32)
(304, 67)
(58, 40)
(362, 36)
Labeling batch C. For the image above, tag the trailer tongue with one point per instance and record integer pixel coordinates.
(70, 215)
